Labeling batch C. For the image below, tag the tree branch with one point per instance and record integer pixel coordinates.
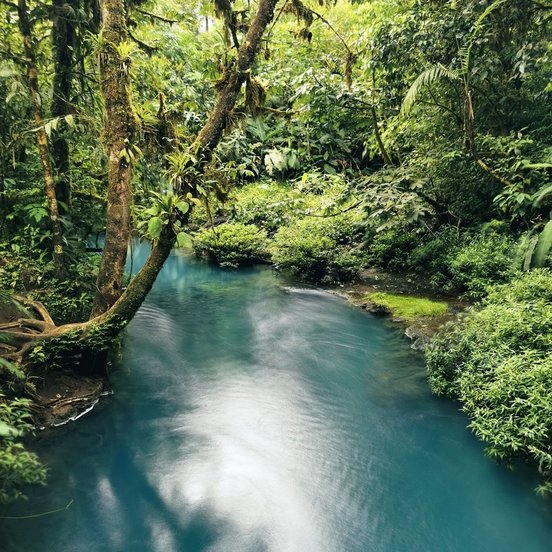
(158, 17)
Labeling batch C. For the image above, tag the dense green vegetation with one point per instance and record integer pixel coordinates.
(498, 363)
(403, 135)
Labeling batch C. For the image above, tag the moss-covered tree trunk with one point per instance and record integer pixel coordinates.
(234, 78)
(120, 127)
(63, 42)
(97, 334)
(111, 316)
(26, 30)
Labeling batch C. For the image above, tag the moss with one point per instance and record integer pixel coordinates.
(406, 306)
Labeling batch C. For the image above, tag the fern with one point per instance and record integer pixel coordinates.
(428, 77)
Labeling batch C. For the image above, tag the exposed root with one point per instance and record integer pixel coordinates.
(41, 310)
(18, 338)
(27, 324)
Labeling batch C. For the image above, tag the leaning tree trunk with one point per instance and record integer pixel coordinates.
(234, 77)
(98, 333)
(63, 41)
(120, 128)
(25, 28)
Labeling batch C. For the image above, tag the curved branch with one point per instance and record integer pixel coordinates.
(158, 17)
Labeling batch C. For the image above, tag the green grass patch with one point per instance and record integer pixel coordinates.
(406, 306)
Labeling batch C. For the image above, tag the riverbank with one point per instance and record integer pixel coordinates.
(419, 327)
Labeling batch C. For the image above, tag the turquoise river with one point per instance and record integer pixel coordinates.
(250, 415)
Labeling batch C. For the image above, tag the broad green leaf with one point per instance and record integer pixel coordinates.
(543, 246)
(155, 225)
(184, 240)
(7, 430)
(183, 207)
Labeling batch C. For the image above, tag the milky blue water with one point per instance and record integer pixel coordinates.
(251, 416)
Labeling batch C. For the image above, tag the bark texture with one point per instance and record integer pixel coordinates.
(233, 79)
(120, 128)
(63, 41)
(26, 30)
(113, 309)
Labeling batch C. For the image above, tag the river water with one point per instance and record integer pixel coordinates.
(253, 417)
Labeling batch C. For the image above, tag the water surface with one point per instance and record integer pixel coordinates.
(253, 417)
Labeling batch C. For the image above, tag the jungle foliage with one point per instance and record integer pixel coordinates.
(323, 137)
(498, 363)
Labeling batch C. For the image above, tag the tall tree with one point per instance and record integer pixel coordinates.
(26, 30)
(119, 134)
(109, 319)
(63, 42)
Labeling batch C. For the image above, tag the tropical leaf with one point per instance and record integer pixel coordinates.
(543, 246)
(428, 77)
(541, 194)
(529, 253)
(155, 226)
(465, 52)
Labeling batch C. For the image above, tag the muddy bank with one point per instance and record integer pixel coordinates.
(65, 397)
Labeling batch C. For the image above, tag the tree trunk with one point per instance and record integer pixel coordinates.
(25, 28)
(386, 157)
(63, 40)
(98, 333)
(211, 133)
(120, 128)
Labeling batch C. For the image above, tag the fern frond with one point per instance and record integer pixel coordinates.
(428, 77)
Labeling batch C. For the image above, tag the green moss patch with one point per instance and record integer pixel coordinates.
(406, 306)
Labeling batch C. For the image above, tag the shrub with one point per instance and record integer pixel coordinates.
(231, 244)
(498, 363)
(18, 467)
(486, 259)
(319, 250)
(432, 257)
(268, 205)
(391, 248)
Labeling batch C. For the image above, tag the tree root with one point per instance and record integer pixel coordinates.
(97, 334)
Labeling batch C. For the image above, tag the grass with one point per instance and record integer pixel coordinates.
(406, 306)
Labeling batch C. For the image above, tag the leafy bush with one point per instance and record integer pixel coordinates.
(498, 363)
(319, 250)
(267, 204)
(486, 259)
(392, 248)
(18, 467)
(231, 244)
(432, 257)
